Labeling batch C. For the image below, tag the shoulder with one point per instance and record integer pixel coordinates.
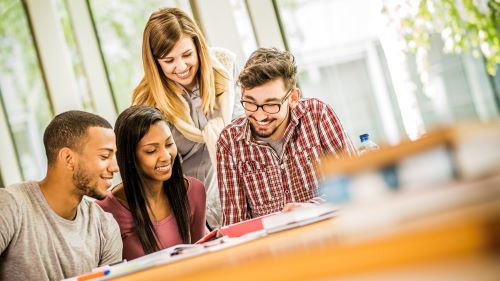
(313, 104)
(9, 201)
(311, 107)
(196, 192)
(117, 207)
(195, 187)
(234, 129)
(107, 203)
(223, 55)
(222, 58)
(16, 194)
(103, 219)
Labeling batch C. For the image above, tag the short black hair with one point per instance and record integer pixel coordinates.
(69, 129)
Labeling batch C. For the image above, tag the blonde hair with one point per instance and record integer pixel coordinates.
(163, 30)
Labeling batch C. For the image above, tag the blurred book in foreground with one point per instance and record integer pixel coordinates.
(463, 152)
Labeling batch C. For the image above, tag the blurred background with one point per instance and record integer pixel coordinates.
(393, 69)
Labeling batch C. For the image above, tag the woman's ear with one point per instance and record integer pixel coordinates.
(294, 98)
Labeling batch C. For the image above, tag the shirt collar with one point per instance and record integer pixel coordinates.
(195, 92)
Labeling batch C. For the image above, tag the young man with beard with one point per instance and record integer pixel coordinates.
(48, 230)
(266, 159)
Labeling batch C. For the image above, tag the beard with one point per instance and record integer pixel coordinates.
(262, 133)
(83, 185)
(270, 131)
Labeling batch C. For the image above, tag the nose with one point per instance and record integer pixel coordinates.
(181, 65)
(165, 155)
(113, 167)
(259, 115)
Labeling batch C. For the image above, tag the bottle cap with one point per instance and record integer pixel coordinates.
(364, 137)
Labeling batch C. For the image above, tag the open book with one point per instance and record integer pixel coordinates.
(274, 222)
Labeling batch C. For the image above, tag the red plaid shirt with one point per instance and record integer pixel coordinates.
(255, 181)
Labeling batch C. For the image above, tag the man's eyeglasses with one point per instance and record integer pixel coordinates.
(270, 108)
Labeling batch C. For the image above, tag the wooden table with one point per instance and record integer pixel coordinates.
(457, 244)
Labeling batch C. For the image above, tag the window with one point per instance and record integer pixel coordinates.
(244, 27)
(120, 25)
(336, 48)
(75, 55)
(345, 59)
(23, 92)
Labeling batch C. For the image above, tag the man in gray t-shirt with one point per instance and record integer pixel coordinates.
(48, 230)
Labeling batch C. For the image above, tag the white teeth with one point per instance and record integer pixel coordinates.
(163, 168)
(184, 74)
(262, 123)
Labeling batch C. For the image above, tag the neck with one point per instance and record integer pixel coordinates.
(159, 207)
(61, 195)
(190, 86)
(155, 193)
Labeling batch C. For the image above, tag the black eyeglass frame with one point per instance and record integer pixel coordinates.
(267, 104)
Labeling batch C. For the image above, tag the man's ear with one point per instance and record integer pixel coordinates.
(67, 157)
(294, 98)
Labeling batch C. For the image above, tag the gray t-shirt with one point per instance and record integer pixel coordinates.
(276, 145)
(38, 244)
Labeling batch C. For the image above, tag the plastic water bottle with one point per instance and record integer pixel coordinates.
(367, 144)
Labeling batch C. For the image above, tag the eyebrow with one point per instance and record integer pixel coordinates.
(183, 53)
(111, 150)
(157, 143)
(265, 101)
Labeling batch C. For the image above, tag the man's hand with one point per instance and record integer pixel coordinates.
(295, 205)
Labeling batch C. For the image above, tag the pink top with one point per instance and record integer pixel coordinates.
(166, 229)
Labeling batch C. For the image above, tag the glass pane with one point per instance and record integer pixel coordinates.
(76, 57)
(448, 96)
(23, 91)
(331, 41)
(244, 26)
(337, 46)
(120, 25)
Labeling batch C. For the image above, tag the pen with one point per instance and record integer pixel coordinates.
(127, 268)
(92, 275)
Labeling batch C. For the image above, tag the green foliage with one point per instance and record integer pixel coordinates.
(466, 26)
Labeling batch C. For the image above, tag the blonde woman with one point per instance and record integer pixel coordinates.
(194, 88)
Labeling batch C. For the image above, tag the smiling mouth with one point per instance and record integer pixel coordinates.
(165, 168)
(263, 124)
(108, 181)
(183, 75)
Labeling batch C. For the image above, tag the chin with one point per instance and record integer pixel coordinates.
(263, 134)
(98, 194)
(165, 178)
(187, 83)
